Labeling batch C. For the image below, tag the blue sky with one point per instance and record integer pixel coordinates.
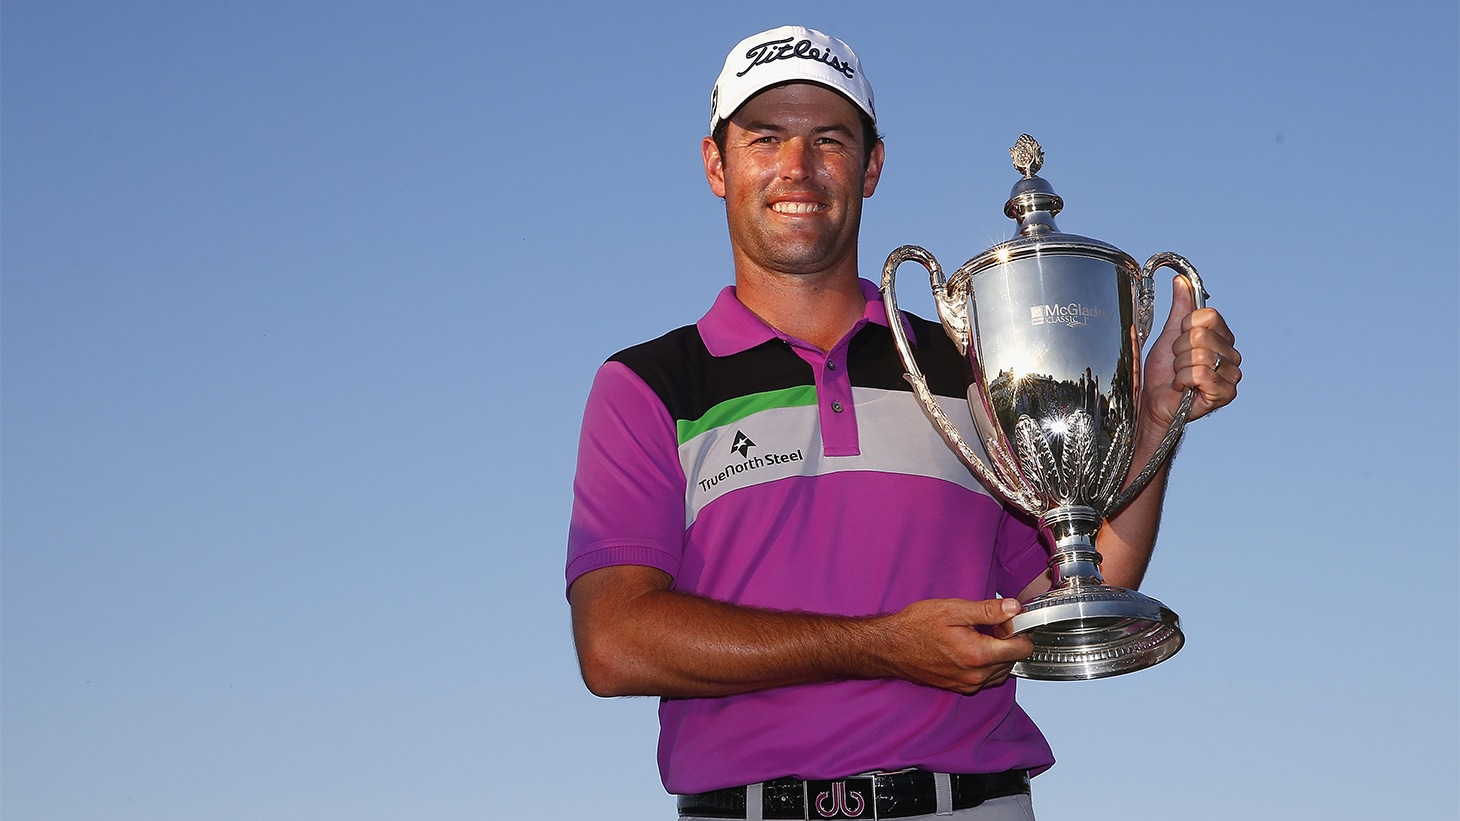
(301, 302)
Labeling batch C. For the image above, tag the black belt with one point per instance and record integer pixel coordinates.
(884, 795)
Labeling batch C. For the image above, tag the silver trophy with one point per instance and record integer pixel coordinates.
(1052, 326)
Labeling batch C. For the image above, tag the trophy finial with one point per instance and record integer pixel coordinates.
(1028, 156)
(1033, 203)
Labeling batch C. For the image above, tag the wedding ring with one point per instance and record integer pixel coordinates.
(1220, 359)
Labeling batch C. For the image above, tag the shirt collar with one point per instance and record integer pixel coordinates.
(729, 327)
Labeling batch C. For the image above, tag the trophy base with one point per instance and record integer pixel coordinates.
(1089, 631)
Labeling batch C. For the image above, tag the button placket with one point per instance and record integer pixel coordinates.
(838, 414)
(834, 401)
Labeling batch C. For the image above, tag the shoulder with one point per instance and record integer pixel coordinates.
(880, 365)
(678, 350)
(689, 380)
(931, 339)
(671, 366)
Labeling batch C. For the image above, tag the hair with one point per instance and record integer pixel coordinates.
(870, 137)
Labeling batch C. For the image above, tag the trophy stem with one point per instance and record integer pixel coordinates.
(1084, 628)
(1075, 559)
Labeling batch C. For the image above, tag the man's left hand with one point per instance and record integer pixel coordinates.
(1195, 350)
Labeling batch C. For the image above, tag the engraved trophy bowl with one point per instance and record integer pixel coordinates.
(1051, 327)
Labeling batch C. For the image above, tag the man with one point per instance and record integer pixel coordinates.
(768, 535)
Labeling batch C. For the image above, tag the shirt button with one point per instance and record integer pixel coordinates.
(836, 406)
(831, 366)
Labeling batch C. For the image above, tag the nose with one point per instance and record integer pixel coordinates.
(796, 159)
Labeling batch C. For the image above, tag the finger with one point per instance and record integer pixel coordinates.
(1181, 305)
(1206, 346)
(1214, 381)
(1186, 316)
(1000, 676)
(1004, 652)
(1215, 384)
(1209, 324)
(1225, 362)
(991, 611)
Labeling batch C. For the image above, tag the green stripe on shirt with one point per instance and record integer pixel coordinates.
(733, 410)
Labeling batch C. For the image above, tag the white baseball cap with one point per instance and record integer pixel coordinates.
(783, 55)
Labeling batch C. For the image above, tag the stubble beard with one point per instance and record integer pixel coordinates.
(800, 250)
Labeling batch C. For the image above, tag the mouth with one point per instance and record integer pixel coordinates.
(795, 207)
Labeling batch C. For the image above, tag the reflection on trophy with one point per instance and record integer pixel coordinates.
(1052, 326)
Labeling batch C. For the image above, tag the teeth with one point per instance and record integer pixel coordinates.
(797, 207)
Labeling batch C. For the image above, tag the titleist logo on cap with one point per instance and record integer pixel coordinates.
(788, 54)
(774, 50)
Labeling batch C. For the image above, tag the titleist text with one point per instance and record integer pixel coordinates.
(775, 50)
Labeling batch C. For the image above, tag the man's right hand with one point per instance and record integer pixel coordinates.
(952, 643)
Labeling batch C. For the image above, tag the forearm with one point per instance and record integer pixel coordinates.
(646, 639)
(1128, 538)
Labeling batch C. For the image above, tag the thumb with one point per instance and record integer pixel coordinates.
(993, 611)
(1181, 304)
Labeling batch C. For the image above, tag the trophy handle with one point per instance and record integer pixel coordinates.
(954, 317)
(1199, 295)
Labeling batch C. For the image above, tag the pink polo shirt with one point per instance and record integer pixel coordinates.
(755, 469)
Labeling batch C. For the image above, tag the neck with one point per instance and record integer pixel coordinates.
(819, 308)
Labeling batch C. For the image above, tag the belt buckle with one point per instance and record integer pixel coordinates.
(844, 798)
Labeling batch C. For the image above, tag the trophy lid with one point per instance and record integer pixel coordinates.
(1032, 202)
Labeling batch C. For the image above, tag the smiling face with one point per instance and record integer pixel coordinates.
(793, 174)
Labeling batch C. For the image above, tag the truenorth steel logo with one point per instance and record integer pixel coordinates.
(1072, 314)
(741, 447)
(741, 444)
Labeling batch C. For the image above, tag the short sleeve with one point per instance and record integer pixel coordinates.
(1020, 553)
(628, 492)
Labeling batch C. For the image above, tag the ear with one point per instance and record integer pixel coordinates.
(874, 169)
(714, 166)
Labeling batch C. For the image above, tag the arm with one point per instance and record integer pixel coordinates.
(637, 636)
(1182, 357)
